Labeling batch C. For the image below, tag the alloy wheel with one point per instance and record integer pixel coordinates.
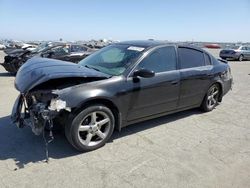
(94, 128)
(212, 98)
(241, 58)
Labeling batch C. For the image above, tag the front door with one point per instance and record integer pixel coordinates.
(160, 93)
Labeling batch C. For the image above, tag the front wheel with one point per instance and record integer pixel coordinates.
(91, 128)
(241, 57)
(211, 99)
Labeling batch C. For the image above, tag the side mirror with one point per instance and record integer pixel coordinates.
(144, 73)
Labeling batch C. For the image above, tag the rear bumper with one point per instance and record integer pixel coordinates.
(228, 85)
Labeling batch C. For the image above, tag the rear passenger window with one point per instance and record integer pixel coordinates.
(161, 60)
(189, 58)
(207, 59)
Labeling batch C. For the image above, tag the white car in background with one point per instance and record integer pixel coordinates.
(2, 47)
(29, 47)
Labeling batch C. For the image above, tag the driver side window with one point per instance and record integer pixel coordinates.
(160, 60)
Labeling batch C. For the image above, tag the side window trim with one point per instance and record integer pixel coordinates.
(210, 60)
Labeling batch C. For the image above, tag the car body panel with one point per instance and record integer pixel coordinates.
(194, 83)
(165, 85)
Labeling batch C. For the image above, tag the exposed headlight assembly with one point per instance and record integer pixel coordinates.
(58, 105)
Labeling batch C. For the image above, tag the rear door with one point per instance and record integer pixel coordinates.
(195, 72)
(160, 93)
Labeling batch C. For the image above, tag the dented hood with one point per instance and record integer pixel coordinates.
(39, 70)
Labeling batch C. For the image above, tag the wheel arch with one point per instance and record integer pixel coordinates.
(219, 83)
(241, 55)
(104, 101)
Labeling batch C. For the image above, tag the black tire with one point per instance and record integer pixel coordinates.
(209, 102)
(241, 57)
(100, 133)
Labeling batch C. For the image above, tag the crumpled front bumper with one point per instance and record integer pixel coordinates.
(36, 115)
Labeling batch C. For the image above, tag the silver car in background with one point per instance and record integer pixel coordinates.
(236, 52)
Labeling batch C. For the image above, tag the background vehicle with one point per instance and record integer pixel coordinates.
(62, 51)
(119, 85)
(2, 47)
(236, 52)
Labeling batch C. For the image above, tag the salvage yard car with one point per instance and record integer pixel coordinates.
(121, 84)
(68, 52)
(236, 52)
(2, 47)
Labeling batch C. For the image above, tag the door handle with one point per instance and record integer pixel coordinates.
(175, 82)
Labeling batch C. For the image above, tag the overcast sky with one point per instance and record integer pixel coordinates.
(174, 20)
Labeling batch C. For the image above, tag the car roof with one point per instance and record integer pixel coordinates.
(155, 43)
(143, 43)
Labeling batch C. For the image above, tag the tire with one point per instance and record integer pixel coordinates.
(91, 128)
(241, 57)
(210, 101)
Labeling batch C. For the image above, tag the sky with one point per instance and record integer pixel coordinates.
(173, 20)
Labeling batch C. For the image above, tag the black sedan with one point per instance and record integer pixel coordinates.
(68, 52)
(121, 84)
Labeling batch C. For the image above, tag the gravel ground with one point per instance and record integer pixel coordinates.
(187, 149)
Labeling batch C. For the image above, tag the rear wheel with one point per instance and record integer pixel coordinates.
(211, 98)
(241, 57)
(91, 128)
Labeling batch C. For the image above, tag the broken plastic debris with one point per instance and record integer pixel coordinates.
(57, 105)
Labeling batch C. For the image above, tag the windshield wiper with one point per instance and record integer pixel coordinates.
(92, 68)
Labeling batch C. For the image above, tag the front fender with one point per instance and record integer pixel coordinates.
(76, 97)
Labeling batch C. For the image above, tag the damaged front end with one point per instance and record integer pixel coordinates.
(37, 110)
(39, 81)
(44, 100)
(13, 62)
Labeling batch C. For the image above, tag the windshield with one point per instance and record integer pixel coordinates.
(113, 59)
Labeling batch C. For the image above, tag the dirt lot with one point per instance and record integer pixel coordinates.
(187, 149)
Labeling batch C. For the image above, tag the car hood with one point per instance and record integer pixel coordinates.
(39, 70)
